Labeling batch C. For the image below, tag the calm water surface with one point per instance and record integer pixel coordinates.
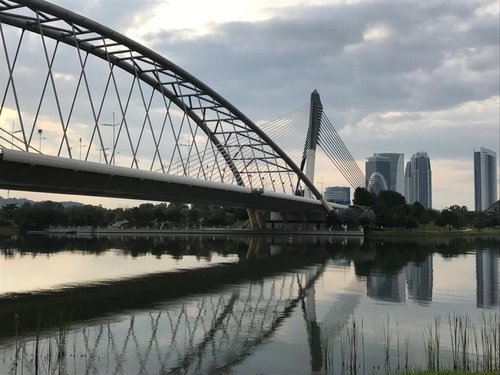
(282, 305)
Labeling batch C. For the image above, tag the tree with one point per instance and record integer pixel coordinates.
(333, 219)
(390, 198)
(410, 222)
(480, 222)
(450, 218)
(363, 197)
(418, 210)
(426, 217)
(8, 212)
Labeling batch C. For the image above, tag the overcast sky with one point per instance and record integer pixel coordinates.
(394, 76)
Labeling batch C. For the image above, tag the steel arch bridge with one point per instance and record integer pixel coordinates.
(100, 104)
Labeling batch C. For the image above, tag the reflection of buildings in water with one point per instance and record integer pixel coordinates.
(486, 278)
(387, 287)
(419, 280)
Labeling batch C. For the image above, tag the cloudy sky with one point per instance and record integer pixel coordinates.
(394, 75)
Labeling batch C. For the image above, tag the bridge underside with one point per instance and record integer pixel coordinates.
(42, 173)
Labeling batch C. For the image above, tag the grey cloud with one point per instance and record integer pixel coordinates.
(116, 14)
(268, 67)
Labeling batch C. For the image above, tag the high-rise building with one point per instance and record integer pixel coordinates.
(338, 194)
(384, 171)
(485, 178)
(418, 180)
(397, 182)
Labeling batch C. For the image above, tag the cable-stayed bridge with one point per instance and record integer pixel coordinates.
(86, 110)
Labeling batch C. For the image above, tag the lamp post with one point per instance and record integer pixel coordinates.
(113, 125)
(101, 150)
(320, 182)
(80, 140)
(12, 135)
(40, 132)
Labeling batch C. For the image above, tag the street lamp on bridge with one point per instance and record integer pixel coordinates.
(101, 151)
(113, 125)
(12, 135)
(40, 131)
(80, 140)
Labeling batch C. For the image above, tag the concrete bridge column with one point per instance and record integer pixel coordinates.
(255, 219)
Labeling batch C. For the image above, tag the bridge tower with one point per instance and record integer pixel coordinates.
(309, 156)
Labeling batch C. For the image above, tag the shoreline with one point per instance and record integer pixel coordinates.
(195, 231)
(433, 233)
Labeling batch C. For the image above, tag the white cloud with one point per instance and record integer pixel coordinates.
(377, 33)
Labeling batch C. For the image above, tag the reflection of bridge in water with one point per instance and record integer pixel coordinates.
(208, 333)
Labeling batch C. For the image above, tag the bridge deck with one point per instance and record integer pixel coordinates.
(34, 172)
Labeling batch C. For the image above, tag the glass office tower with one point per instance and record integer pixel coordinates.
(485, 178)
(418, 180)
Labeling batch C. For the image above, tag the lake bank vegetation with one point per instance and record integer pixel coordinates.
(386, 214)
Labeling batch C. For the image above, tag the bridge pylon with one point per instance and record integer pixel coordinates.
(309, 157)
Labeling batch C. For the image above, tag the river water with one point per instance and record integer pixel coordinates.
(247, 305)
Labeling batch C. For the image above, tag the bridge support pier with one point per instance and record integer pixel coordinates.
(296, 221)
(255, 219)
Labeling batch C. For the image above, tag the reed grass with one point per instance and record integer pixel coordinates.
(471, 347)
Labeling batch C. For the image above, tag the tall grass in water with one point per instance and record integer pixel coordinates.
(432, 344)
(490, 340)
(352, 333)
(472, 345)
(475, 349)
(459, 339)
(387, 346)
(347, 339)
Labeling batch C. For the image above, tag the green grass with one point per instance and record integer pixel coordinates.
(433, 232)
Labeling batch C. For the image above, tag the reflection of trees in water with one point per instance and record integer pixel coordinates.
(205, 334)
(127, 245)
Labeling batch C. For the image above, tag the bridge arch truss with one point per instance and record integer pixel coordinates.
(64, 74)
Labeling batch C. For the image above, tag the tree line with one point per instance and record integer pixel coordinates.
(41, 215)
(389, 209)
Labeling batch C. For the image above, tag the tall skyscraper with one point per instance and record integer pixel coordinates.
(485, 178)
(338, 194)
(418, 180)
(384, 171)
(397, 160)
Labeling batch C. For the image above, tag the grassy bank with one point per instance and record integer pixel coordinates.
(433, 232)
